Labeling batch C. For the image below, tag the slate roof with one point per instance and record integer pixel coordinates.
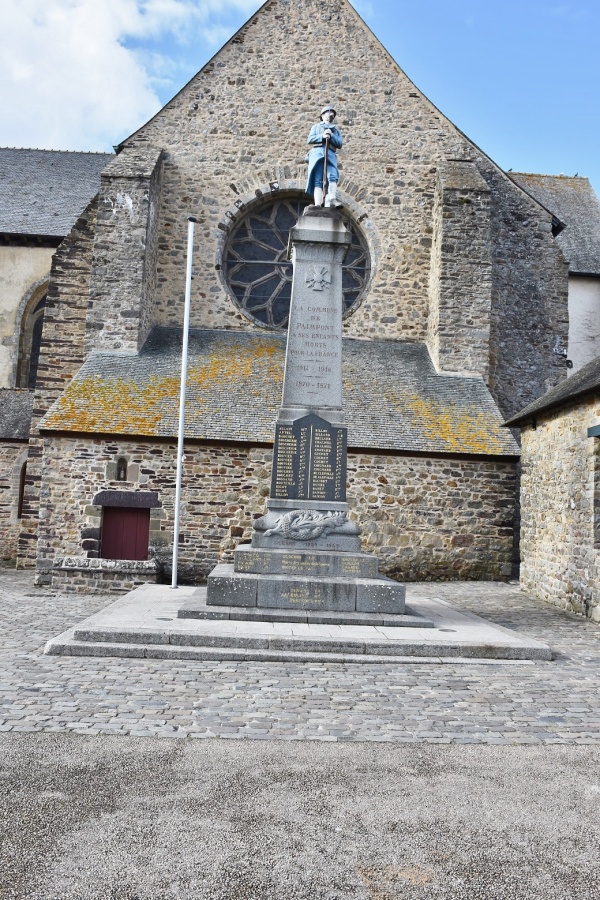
(583, 382)
(15, 414)
(393, 397)
(43, 192)
(574, 202)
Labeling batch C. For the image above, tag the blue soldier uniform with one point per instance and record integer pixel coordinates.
(316, 159)
(316, 142)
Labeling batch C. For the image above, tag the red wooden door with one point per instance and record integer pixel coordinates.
(125, 533)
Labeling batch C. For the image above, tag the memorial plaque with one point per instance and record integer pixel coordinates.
(309, 461)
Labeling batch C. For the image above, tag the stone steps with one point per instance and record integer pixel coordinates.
(145, 624)
(213, 654)
(199, 609)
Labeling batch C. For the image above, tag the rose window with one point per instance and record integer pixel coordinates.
(258, 272)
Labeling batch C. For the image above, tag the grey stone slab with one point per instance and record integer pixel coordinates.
(219, 640)
(277, 504)
(197, 609)
(305, 645)
(268, 615)
(249, 559)
(405, 620)
(295, 592)
(344, 543)
(380, 595)
(122, 635)
(227, 588)
(457, 634)
(309, 460)
(313, 370)
(192, 611)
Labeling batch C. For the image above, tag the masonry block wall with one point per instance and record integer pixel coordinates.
(424, 518)
(123, 277)
(61, 355)
(560, 500)
(529, 320)
(12, 456)
(461, 271)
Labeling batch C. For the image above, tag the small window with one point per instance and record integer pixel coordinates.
(30, 343)
(121, 469)
(125, 533)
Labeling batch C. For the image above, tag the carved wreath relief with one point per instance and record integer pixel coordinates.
(307, 525)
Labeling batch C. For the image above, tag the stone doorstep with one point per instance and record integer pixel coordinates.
(196, 609)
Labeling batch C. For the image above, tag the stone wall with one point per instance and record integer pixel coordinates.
(61, 355)
(424, 517)
(461, 272)
(12, 457)
(123, 277)
(560, 501)
(529, 315)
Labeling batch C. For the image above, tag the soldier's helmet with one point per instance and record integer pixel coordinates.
(328, 109)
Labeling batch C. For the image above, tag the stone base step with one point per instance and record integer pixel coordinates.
(286, 643)
(213, 654)
(322, 563)
(198, 609)
(145, 624)
(225, 587)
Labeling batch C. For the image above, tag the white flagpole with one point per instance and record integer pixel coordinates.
(184, 356)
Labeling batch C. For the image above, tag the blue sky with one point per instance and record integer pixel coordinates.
(521, 79)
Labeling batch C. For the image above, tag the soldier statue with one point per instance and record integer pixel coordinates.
(321, 133)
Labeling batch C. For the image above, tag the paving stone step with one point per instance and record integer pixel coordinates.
(198, 609)
(215, 654)
(160, 639)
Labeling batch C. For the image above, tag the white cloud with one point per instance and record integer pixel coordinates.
(76, 74)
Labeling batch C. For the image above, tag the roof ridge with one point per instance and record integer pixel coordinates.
(550, 175)
(73, 152)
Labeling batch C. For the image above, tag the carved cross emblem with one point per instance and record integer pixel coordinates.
(320, 279)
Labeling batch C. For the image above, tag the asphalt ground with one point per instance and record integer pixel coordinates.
(138, 779)
(121, 818)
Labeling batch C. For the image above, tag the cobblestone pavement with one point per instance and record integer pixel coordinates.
(554, 702)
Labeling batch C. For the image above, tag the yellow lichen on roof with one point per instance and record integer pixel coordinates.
(112, 404)
(450, 428)
(123, 406)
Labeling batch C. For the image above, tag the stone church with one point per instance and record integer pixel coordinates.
(456, 317)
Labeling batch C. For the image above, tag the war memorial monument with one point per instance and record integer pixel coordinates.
(305, 552)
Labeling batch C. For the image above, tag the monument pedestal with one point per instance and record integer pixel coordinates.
(305, 551)
(305, 579)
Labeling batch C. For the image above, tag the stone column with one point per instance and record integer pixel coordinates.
(305, 552)
(308, 485)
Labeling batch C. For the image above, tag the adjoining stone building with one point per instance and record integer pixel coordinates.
(455, 294)
(42, 194)
(560, 495)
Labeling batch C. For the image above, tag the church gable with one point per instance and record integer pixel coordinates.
(237, 132)
(232, 144)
